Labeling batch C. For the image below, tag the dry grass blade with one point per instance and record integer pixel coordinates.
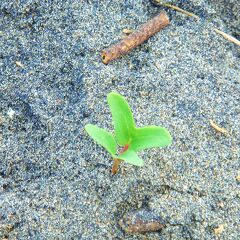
(227, 36)
(19, 64)
(217, 128)
(179, 10)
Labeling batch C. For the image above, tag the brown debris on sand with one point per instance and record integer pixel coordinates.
(136, 38)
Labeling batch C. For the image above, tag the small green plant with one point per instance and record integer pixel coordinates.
(127, 135)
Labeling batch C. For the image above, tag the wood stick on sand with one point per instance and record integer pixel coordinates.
(136, 38)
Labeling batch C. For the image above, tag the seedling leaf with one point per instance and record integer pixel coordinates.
(123, 121)
(102, 137)
(150, 137)
(131, 157)
(127, 134)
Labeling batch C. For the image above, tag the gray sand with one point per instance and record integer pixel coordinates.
(55, 182)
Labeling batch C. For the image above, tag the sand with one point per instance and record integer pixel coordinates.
(55, 182)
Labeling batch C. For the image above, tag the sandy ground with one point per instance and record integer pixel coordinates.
(55, 182)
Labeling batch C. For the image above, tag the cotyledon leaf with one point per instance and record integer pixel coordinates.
(131, 157)
(150, 137)
(102, 137)
(122, 117)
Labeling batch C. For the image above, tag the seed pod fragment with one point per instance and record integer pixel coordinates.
(136, 38)
(141, 221)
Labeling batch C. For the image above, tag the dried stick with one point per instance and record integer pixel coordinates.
(136, 38)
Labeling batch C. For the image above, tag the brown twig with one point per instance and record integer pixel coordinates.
(136, 38)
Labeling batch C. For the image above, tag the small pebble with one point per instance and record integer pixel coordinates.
(219, 229)
(127, 31)
(141, 221)
(10, 113)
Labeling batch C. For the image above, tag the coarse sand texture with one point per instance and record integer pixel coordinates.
(56, 182)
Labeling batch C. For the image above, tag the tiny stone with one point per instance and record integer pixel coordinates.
(219, 229)
(141, 221)
(10, 113)
(221, 204)
(1, 119)
(127, 31)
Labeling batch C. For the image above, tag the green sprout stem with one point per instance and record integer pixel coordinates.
(117, 161)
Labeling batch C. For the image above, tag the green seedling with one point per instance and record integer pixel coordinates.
(127, 135)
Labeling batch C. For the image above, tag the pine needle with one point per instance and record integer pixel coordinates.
(217, 128)
(227, 36)
(19, 64)
(180, 10)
